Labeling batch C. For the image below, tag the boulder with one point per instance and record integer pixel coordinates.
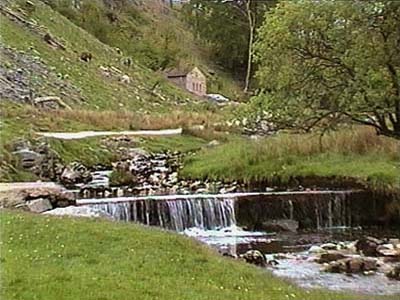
(280, 225)
(394, 273)
(75, 173)
(330, 256)
(254, 257)
(329, 246)
(28, 158)
(368, 246)
(316, 250)
(388, 250)
(352, 265)
(58, 197)
(39, 205)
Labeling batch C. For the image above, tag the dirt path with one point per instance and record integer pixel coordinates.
(16, 186)
(87, 134)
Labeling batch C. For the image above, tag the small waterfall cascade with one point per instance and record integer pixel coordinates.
(313, 210)
(179, 214)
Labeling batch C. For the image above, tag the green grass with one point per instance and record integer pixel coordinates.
(352, 154)
(70, 258)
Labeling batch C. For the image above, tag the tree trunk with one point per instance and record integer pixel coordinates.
(250, 46)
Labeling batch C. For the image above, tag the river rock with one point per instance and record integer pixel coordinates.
(329, 246)
(368, 246)
(58, 196)
(388, 250)
(394, 273)
(39, 205)
(280, 225)
(330, 256)
(75, 173)
(254, 257)
(352, 265)
(316, 250)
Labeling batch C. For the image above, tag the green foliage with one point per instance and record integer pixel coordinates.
(121, 177)
(323, 62)
(224, 26)
(48, 258)
(88, 151)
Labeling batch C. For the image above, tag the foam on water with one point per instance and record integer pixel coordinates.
(231, 235)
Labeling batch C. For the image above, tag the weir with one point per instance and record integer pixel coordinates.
(312, 209)
(205, 213)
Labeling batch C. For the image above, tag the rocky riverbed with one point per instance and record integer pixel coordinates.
(329, 260)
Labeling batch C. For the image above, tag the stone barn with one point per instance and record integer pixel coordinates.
(193, 81)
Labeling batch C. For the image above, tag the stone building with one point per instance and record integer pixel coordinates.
(193, 81)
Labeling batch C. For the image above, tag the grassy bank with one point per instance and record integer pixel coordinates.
(349, 154)
(64, 258)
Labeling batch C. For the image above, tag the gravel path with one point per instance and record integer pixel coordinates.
(87, 134)
(15, 186)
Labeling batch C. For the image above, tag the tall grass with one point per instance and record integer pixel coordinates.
(72, 120)
(353, 153)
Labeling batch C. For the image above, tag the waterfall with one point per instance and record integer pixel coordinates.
(179, 214)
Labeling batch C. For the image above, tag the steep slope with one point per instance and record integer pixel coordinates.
(25, 30)
(41, 56)
(150, 33)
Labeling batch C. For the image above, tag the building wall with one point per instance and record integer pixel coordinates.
(196, 82)
(179, 81)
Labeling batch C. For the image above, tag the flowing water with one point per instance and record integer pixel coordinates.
(204, 213)
(214, 221)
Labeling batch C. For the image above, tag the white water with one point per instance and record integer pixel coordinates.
(203, 213)
(231, 235)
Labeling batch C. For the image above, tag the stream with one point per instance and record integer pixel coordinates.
(290, 259)
(324, 219)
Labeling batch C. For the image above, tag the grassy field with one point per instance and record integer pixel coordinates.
(348, 154)
(70, 258)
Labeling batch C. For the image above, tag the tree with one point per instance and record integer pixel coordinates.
(229, 26)
(324, 62)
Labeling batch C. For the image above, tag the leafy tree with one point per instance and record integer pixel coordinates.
(328, 61)
(229, 27)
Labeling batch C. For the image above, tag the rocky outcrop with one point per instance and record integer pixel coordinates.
(38, 158)
(18, 77)
(36, 199)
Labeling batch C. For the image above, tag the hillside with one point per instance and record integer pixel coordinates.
(41, 53)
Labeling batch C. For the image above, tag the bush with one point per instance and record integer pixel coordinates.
(122, 177)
